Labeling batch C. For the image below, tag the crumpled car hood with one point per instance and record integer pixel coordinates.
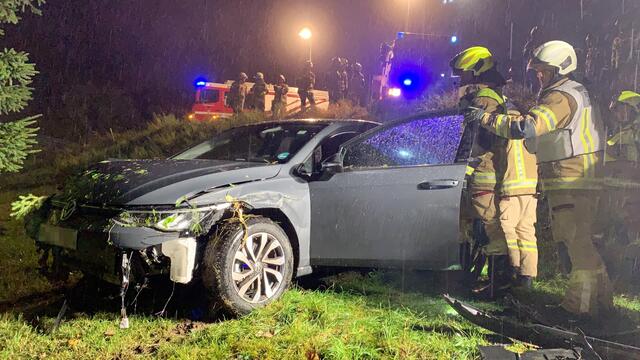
(158, 182)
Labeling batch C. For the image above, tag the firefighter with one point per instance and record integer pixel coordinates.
(279, 104)
(305, 86)
(622, 183)
(564, 133)
(517, 174)
(479, 80)
(334, 81)
(259, 92)
(238, 93)
(357, 86)
(345, 75)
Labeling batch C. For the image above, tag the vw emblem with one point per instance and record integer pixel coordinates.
(67, 210)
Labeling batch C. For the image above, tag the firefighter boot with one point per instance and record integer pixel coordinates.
(503, 274)
(500, 277)
(524, 282)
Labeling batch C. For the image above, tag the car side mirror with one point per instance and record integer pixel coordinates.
(301, 170)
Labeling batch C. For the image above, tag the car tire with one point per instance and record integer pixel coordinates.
(244, 273)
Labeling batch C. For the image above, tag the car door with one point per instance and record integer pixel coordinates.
(396, 200)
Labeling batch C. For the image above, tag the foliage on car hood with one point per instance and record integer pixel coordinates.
(117, 182)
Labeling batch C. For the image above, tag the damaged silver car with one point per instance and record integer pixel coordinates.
(255, 206)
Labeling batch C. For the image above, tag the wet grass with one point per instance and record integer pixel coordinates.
(18, 267)
(335, 323)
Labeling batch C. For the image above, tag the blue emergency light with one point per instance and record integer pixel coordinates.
(407, 82)
(454, 39)
(200, 81)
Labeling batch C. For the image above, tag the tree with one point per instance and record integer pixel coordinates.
(17, 137)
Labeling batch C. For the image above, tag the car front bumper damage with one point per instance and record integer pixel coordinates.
(98, 253)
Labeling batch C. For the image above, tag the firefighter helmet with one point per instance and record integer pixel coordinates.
(556, 54)
(243, 76)
(477, 59)
(259, 76)
(282, 79)
(630, 98)
(357, 67)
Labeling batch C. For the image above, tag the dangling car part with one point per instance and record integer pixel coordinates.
(544, 335)
(498, 352)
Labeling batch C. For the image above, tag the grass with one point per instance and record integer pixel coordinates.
(339, 323)
(18, 268)
(379, 315)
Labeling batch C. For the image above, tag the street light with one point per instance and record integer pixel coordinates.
(305, 34)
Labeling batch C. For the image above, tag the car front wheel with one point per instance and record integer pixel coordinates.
(246, 271)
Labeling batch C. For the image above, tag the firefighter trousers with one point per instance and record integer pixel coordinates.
(517, 220)
(484, 207)
(572, 219)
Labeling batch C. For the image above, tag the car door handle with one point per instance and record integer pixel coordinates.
(438, 184)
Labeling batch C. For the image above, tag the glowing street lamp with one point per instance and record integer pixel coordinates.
(305, 34)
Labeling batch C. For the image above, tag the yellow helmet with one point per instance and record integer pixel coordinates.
(630, 98)
(477, 59)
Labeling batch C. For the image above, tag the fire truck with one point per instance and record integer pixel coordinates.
(212, 100)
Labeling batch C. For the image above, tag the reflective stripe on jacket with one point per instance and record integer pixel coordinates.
(622, 164)
(558, 109)
(482, 177)
(517, 169)
(578, 137)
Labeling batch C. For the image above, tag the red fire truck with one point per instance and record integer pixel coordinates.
(212, 100)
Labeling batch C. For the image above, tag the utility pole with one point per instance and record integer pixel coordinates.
(635, 78)
(511, 42)
(632, 43)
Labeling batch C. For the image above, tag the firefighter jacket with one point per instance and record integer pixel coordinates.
(238, 92)
(564, 134)
(306, 82)
(259, 89)
(481, 170)
(280, 91)
(622, 164)
(516, 168)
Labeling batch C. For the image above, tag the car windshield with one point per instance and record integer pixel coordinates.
(269, 143)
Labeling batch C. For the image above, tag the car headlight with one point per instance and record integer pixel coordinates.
(176, 222)
(168, 220)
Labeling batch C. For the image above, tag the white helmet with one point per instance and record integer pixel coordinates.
(557, 54)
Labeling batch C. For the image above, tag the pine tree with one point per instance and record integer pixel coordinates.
(17, 138)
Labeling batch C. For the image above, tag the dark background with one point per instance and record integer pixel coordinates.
(112, 64)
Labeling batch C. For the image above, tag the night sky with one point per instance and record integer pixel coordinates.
(151, 51)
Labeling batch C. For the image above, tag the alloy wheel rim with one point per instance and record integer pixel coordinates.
(258, 267)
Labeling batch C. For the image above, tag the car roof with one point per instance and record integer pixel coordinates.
(310, 121)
